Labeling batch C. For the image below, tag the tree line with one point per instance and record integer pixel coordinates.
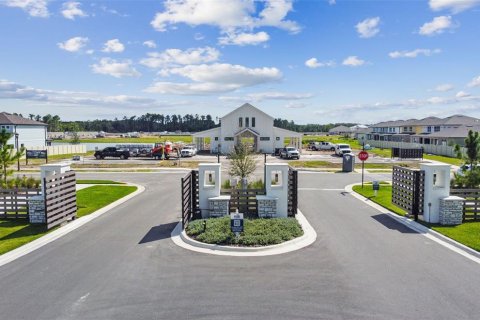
(154, 122)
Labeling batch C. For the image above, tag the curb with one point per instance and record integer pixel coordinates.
(309, 236)
(433, 235)
(69, 227)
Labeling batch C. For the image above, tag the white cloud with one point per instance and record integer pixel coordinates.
(444, 87)
(215, 78)
(113, 45)
(475, 82)
(72, 9)
(12, 90)
(115, 68)
(180, 57)
(150, 44)
(269, 95)
(462, 94)
(73, 44)
(314, 63)
(368, 28)
(35, 8)
(243, 39)
(332, 2)
(353, 61)
(437, 26)
(295, 105)
(414, 53)
(455, 6)
(238, 17)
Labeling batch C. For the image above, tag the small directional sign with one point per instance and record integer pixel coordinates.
(376, 185)
(236, 222)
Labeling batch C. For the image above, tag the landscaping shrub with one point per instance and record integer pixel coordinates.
(257, 232)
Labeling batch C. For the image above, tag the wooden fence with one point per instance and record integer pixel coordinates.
(471, 205)
(244, 200)
(408, 190)
(60, 198)
(14, 202)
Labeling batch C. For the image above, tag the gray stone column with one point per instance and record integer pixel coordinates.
(451, 210)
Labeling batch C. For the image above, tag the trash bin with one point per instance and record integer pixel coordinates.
(348, 164)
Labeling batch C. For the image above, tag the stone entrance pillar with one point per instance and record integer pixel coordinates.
(437, 187)
(276, 187)
(209, 183)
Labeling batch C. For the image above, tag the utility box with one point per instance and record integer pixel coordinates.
(348, 164)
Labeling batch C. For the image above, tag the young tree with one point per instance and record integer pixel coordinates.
(8, 155)
(469, 178)
(242, 163)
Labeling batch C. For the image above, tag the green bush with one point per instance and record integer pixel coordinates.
(257, 232)
(21, 182)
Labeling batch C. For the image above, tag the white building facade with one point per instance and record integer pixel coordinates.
(247, 124)
(26, 132)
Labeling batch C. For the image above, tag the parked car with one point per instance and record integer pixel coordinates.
(342, 149)
(112, 152)
(188, 151)
(289, 153)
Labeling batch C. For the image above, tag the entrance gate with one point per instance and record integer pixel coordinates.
(408, 190)
(189, 198)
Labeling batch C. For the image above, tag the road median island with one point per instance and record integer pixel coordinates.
(90, 201)
(255, 242)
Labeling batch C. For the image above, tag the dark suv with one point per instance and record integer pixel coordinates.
(112, 152)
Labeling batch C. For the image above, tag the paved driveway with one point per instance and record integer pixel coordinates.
(124, 266)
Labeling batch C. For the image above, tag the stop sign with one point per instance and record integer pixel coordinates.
(363, 155)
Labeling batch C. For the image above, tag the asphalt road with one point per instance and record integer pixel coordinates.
(123, 265)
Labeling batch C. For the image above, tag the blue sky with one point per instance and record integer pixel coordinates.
(308, 61)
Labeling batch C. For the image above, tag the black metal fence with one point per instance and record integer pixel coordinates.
(407, 153)
(471, 204)
(189, 188)
(292, 192)
(408, 190)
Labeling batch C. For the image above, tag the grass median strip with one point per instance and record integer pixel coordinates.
(467, 233)
(15, 233)
(257, 232)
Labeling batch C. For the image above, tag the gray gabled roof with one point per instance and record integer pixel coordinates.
(11, 119)
(457, 120)
(340, 129)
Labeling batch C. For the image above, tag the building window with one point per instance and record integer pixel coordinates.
(240, 122)
(263, 138)
(429, 129)
(247, 122)
(277, 138)
(405, 128)
(228, 138)
(436, 129)
(216, 138)
(253, 122)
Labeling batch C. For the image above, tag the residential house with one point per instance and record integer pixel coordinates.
(26, 132)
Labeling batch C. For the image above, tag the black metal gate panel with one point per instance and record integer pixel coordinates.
(292, 192)
(407, 153)
(189, 186)
(408, 190)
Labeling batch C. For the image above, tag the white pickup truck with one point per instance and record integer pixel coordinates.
(322, 145)
(342, 148)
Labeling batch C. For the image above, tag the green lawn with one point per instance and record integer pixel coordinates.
(467, 233)
(454, 161)
(15, 233)
(257, 232)
(383, 198)
(93, 198)
(98, 182)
